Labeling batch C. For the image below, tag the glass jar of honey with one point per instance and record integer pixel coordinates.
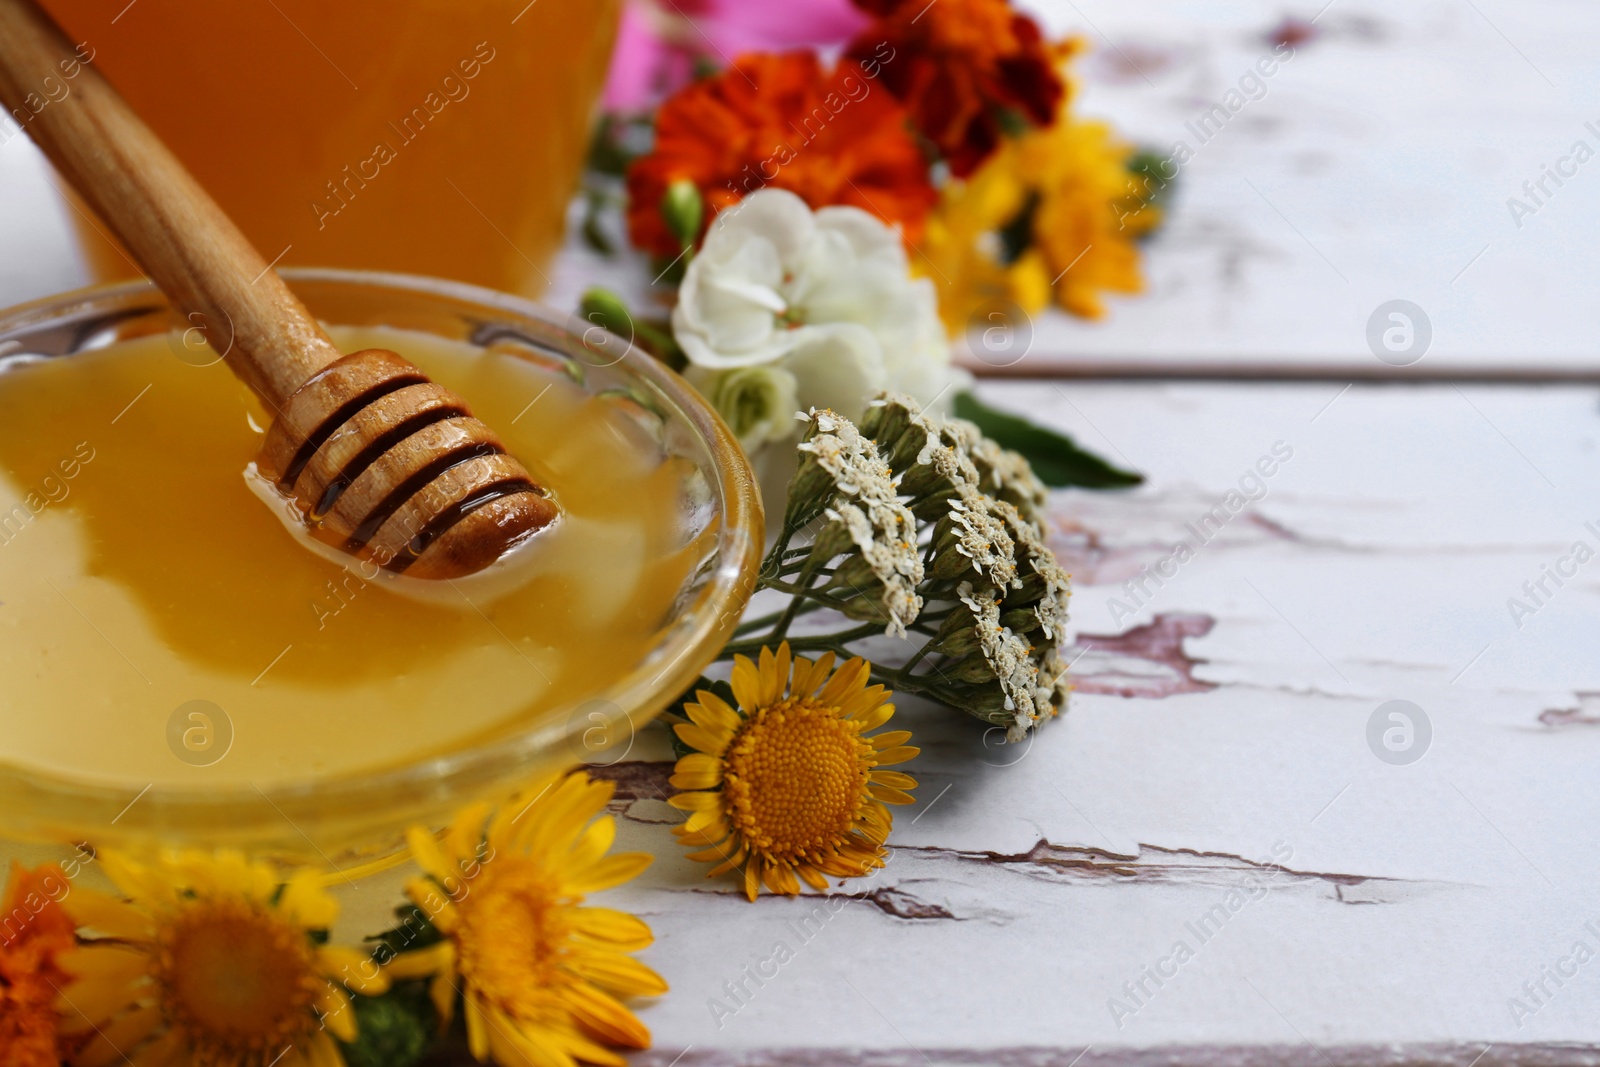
(428, 137)
(179, 670)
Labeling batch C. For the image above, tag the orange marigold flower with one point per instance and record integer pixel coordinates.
(34, 931)
(786, 122)
(958, 66)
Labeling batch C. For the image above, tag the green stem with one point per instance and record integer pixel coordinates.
(811, 643)
(756, 624)
(903, 681)
(916, 657)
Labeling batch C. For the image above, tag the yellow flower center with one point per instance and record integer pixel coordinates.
(513, 934)
(236, 981)
(796, 776)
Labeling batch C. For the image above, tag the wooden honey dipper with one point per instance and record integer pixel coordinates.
(382, 462)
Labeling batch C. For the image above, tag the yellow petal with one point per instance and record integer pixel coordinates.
(322, 1052)
(895, 779)
(111, 1038)
(812, 877)
(533, 1045)
(696, 801)
(696, 780)
(466, 830)
(117, 963)
(713, 835)
(625, 932)
(715, 854)
(806, 683)
(585, 1051)
(618, 974)
(712, 712)
(137, 883)
(477, 1029)
(712, 742)
(897, 755)
(305, 903)
(699, 768)
(609, 872)
(609, 1020)
(780, 879)
(707, 823)
(107, 916)
(113, 985)
(513, 816)
(436, 958)
(426, 895)
(863, 702)
(876, 718)
(355, 968)
(889, 795)
(775, 673)
(752, 879)
(746, 682)
(594, 843)
(430, 857)
(442, 991)
(733, 860)
(337, 1014)
(845, 682)
(552, 823)
(890, 739)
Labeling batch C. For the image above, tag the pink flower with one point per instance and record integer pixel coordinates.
(662, 43)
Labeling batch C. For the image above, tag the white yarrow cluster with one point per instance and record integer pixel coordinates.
(910, 538)
(868, 507)
(1010, 657)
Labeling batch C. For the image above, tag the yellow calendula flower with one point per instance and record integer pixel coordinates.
(1090, 214)
(212, 960)
(963, 252)
(1055, 208)
(790, 787)
(540, 973)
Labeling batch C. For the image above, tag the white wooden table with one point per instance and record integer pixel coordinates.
(1219, 783)
(1213, 784)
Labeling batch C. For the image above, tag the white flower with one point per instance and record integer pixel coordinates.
(826, 296)
(757, 403)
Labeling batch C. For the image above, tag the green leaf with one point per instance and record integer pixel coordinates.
(1055, 458)
(394, 1030)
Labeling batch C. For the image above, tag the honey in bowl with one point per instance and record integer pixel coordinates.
(160, 626)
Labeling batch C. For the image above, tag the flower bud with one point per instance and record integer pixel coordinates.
(683, 209)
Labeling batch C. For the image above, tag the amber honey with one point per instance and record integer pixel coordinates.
(141, 579)
(430, 136)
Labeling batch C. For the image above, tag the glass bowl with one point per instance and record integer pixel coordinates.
(334, 818)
